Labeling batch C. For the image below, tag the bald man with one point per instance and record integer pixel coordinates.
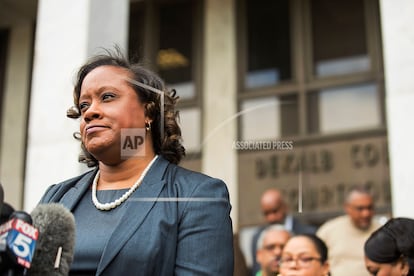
(273, 206)
(276, 211)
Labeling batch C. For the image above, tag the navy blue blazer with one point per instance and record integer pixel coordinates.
(176, 223)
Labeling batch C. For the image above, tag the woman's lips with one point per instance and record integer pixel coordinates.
(94, 128)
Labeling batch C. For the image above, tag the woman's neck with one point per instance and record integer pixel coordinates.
(124, 174)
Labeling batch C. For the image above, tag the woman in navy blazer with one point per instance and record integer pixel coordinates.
(138, 212)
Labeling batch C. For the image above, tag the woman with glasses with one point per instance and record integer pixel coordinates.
(304, 255)
(389, 251)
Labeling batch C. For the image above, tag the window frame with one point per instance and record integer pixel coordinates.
(151, 11)
(303, 81)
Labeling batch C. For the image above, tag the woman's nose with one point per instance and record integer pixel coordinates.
(93, 112)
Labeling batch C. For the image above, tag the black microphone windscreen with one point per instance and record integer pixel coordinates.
(56, 226)
(22, 215)
(5, 213)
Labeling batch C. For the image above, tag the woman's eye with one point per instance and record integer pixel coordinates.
(83, 106)
(107, 96)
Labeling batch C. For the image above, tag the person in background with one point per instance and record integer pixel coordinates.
(240, 264)
(389, 251)
(6, 211)
(269, 249)
(345, 235)
(276, 211)
(137, 212)
(305, 255)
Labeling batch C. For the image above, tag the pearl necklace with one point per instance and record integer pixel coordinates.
(111, 205)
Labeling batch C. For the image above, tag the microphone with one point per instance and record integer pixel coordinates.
(6, 212)
(17, 243)
(55, 246)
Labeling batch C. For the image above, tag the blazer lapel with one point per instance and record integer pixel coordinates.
(137, 208)
(75, 193)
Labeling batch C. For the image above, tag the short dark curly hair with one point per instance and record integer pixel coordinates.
(169, 146)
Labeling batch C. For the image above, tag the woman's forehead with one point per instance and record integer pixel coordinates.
(300, 245)
(104, 76)
(107, 70)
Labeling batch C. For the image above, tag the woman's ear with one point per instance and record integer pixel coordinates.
(325, 269)
(149, 108)
(405, 268)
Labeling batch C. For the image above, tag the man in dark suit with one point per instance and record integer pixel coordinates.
(275, 211)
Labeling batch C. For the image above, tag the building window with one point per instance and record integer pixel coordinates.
(175, 55)
(165, 36)
(311, 104)
(340, 109)
(304, 64)
(339, 40)
(268, 56)
(277, 117)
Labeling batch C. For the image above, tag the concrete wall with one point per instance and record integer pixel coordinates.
(398, 43)
(220, 96)
(68, 31)
(15, 108)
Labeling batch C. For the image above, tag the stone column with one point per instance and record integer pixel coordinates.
(220, 96)
(398, 49)
(68, 31)
(15, 108)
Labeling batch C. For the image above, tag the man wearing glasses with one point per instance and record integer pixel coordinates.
(269, 249)
(276, 211)
(345, 235)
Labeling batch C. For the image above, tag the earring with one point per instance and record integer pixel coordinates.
(148, 126)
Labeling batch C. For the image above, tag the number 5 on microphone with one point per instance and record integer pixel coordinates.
(21, 240)
(22, 246)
